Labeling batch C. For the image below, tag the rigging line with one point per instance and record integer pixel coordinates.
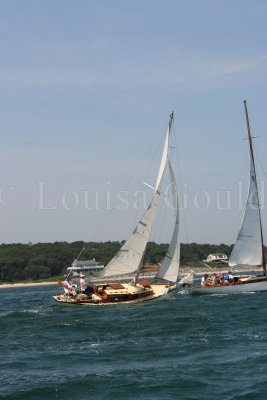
(260, 163)
(82, 250)
(262, 169)
(159, 227)
(256, 185)
(76, 259)
(157, 151)
(112, 209)
(180, 183)
(165, 214)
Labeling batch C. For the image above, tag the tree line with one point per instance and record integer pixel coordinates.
(44, 261)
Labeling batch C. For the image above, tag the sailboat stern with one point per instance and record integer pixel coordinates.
(163, 289)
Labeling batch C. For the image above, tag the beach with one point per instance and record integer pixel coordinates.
(19, 285)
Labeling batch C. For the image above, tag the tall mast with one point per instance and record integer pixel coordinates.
(159, 181)
(256, 185)
(171, 121)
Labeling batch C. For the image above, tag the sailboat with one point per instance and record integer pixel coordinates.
(128, 260)
(249, 248)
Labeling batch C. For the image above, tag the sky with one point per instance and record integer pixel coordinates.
(86, 89)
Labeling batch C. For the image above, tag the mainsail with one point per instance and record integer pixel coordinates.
(169, 268)
(128, 259)
(248, 249)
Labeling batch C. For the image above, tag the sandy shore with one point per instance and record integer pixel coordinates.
(19, 285)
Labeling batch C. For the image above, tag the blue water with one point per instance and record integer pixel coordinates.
(186, 347)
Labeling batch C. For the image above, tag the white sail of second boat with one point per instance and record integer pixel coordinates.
(248, 248)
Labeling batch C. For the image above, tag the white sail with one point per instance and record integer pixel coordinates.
(128, 259)
(248, 247)
(169, 268)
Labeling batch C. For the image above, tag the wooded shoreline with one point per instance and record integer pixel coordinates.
(47, 261)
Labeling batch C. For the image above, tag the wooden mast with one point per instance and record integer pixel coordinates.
(256, 185)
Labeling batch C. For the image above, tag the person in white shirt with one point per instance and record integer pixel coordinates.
(203, 279)
(68, 287)
(83, 284)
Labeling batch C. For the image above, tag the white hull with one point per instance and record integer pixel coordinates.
(257, 286)
(159, 290)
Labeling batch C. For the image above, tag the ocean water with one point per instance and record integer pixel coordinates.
(185, 347)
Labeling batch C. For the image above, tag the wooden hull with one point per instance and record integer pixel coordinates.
(126, 294)
(255, 284)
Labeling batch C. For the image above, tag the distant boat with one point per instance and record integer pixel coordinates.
(128, 260)
(248, 249)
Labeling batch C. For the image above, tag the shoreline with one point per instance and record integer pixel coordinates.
(30, 284)
(183, 270)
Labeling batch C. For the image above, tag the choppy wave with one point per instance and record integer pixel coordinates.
(190, 347)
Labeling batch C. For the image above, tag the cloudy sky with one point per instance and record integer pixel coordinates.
(86, 88)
